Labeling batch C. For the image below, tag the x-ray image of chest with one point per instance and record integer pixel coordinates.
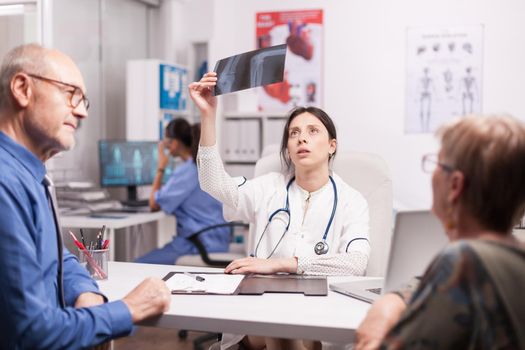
(250, 69)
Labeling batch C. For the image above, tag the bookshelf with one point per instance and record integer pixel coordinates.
(244, 137)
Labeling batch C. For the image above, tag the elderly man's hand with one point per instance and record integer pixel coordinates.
(150, 298)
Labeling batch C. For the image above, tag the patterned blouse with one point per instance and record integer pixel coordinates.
(469, 298)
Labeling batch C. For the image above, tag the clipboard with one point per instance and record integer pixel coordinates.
(214, 283)
(260, 284)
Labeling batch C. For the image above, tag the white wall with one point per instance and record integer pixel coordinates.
(364, 68)
(100, 36)
(76, 32)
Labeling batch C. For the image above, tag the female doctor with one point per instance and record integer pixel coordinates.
(308, 221)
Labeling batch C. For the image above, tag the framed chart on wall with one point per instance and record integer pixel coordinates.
(173, 80)
(302, 31)
(443, 75)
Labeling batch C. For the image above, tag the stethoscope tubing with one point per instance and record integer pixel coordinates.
(286, 209)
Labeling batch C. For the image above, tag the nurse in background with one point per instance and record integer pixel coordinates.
(182, 197)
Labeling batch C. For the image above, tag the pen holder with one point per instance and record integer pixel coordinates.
(96, 262)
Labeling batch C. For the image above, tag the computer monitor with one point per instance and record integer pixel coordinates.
(129, 164)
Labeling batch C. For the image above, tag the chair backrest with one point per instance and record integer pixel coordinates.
(270, 149)
(368, 174)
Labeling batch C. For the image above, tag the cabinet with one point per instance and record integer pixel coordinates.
(155, 93)
(244, 137)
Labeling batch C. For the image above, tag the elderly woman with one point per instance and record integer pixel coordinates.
(469, 297)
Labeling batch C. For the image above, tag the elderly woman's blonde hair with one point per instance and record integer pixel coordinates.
(490, 152)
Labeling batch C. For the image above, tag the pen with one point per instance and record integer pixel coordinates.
(99, 241)
(82, 237)
(106, 244)
(197, 277)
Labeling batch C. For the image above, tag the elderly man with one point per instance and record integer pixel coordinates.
(47, 300)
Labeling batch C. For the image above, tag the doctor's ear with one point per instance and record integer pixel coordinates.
(333, 148)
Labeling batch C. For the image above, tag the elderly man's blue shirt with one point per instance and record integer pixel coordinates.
(32, 317)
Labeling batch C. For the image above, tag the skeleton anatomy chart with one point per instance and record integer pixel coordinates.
(444, 72)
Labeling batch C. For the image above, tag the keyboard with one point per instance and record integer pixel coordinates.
(125, 210)
(375, 290)
(136, 203)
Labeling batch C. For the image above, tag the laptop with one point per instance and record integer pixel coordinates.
(418, 237)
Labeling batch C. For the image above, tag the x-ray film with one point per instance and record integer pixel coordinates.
(250, 69)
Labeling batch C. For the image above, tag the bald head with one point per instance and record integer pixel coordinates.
(25, 58)
(42, 99)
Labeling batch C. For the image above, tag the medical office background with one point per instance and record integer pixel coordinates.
(363, 66)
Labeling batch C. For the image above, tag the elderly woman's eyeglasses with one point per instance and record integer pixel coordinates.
(75, 96)
(430, 162)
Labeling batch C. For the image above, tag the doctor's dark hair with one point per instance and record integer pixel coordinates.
(319, 114)
(181, 130)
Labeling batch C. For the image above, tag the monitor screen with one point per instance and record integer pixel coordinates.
(129, 163)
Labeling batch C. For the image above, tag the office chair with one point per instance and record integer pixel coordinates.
(205, 258)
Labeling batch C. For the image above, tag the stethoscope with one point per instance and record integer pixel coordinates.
(320, 247)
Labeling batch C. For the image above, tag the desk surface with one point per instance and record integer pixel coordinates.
(129, 219)
(333, 318)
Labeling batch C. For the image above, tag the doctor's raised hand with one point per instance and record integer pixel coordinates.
(201, 93)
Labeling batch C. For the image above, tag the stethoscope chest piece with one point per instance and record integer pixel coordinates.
(321, 248)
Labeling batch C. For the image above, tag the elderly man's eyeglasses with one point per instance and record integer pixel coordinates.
(430, 162)
(75, 96)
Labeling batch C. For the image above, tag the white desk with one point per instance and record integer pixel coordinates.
(112, 224)
(333, 318)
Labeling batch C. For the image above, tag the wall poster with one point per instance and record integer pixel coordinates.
(443, 75)
(302, 31)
